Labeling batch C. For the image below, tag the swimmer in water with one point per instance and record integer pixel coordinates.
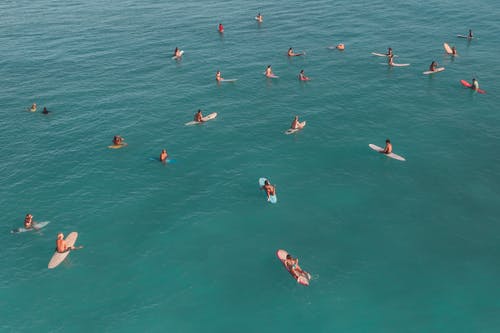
(218, 76)
(45, 111)
(198, 116)
(302, 76)
(388, 147)
(296, 124)
(61, 245)
(163, 155)
(221, 28)
(270, 189)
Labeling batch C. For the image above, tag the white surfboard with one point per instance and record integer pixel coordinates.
(382, 54)
(206, 118)
(440, 69)
(391, 155)
(272, 198)
(463, 36)
(58, 258)
(400, 65)
(295, 130)
(447, 48)
(228, 80)
(179, 56)
(36, 226)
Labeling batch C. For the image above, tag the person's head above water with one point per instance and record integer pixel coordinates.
(60, 235)
(387, 141)
(288, 256)
(199, 110)
(266, 182)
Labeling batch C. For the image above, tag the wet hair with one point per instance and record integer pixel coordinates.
(266, 182)
(387, 141)
(288, 256)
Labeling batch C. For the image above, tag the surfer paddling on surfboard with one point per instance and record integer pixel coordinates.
(218, 76)
(293, 54)
(270, 189)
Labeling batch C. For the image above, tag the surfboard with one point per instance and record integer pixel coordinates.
(382, 54)
(228, 80)
(206, 118)
(157, 159)
(295, 130)
(391, 155)
(469, 85)
(36, 226)
(58, 258)
(440, 69)
(399, 65)
(258, 20)
(272, 76)
(118, 146)
(272, 198)
(180, 55)
(463, 36)
(302, 279)
(447, 48)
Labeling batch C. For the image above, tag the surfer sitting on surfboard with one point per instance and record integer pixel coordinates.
(302, 76)
(177, 53)
(269, 71)
(61, 245)
(388, 147)
(470, 34)
(259, 18)
(28, 221)
(270, 189)
(433, 66)
(293, 266)
(218, 76)
(163, 155)
(475, 84)
(221, 28)
(295, 123)
(117, 140)
(198, 116)
(389, 52)
(390, 62)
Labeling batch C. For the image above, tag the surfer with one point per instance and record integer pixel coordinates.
(221, 28)
(117, 140)
(340, 47)
(218, 76)
(302, 76)
(390, 62)
(45, 111)
(433, 66)
(163, 155)
(292, 54)
(292, 264)
(269, 71)
(33, 107)
(388, 147)
(454, 51)
(28, 221)
(177, 53)
(470, 36)
(259, 18)
(475, 84)
(295, 123)
(61, 245)
(198, 116)
(270, 189)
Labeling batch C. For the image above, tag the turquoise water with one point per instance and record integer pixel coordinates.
(188, 247)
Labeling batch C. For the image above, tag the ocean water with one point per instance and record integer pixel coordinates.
(190, 247)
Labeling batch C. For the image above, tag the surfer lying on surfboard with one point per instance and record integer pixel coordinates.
(270, 189)
(28, 221)
(292, 54)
